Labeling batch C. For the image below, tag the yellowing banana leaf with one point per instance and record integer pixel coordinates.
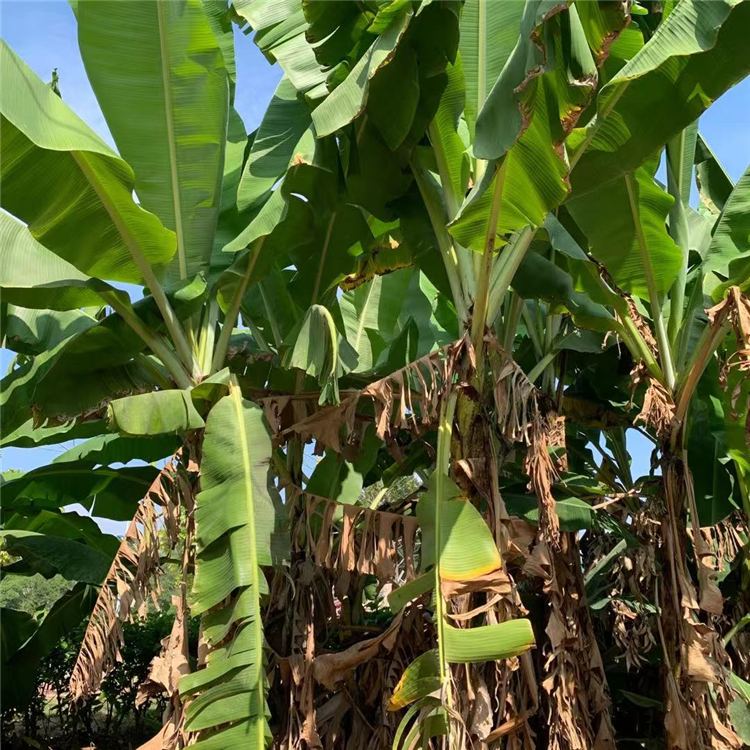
(467, 547)
(487, 642)
(419, 679)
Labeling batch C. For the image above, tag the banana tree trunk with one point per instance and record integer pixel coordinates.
(695, 669)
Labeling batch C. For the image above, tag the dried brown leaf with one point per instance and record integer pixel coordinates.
(329, 669)
(131, 580)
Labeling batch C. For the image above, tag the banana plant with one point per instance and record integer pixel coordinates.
(444, 261)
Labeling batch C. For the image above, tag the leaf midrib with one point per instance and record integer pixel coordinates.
(256, 625)
(167, 85)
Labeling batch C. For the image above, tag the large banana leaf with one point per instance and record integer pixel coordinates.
(281, 217)
(106, 493)
(574, 514)
(280, 27)
(450, 150)
(463, 646)
(74, 193)
(29, 436)
(18, 389)
(36, 278)
(51, 555)
(221, 18)
(158, 413)
(348, 99)
(501, 118)
(489, 32)
(333, 29)
(284, 123)
(525, 119)
(627, 233)
(235, 522)
(230, 222)
(714, 184)
(85, 371)
(370, 314)
(159, 75)
(117, 449)
(33, 331)
(731, 236)
(584, 272)
(697, 53)
(539, 278)
(68, 525)
(15, 628)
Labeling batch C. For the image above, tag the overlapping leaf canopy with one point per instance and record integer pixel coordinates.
(448, 229)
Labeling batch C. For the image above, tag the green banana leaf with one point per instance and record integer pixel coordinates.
(731, 235)
(68, 525)
(548, 78)
(106, 493)
(74, 193)
(36, 278)
(625, 230)
(158, 413)
(160, 77)
(235, 534)
(283, 125)
(53, 555)
(698, 52)
(30, 436)
(35, 331)
(117, 449)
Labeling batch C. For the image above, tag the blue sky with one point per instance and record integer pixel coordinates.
(43, 33)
